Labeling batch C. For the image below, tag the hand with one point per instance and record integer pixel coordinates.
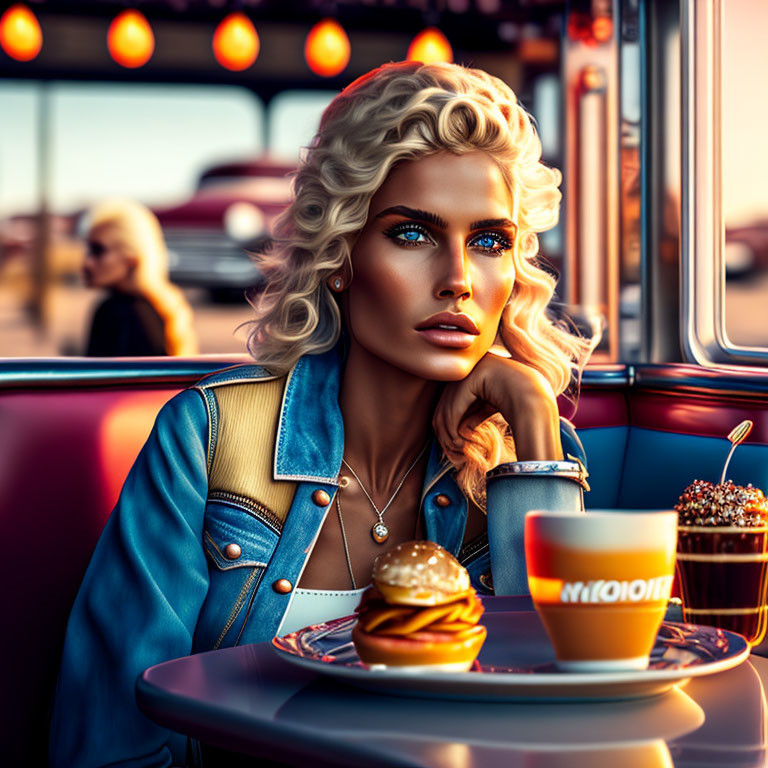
(501, 385)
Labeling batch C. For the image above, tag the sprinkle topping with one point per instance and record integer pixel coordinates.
(722, 504)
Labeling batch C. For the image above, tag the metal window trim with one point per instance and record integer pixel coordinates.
(61, 373)
(40, 372)
(704, 339)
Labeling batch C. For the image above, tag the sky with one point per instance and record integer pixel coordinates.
(149, 142)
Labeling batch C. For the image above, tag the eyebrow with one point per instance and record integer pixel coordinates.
(487, 223)
(414, 213)
(432, 218)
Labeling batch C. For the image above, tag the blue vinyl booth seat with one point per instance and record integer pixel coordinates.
(637, 468)
(674, 430)
(605, 448)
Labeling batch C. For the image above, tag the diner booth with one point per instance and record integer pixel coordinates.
(643, 257)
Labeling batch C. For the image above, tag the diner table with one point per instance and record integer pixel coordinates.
(249, 700)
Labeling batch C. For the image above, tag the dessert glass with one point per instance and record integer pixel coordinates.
(722, 558)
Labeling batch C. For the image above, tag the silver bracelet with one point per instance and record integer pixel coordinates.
(571, 468)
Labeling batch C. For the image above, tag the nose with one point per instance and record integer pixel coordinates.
(455, 281)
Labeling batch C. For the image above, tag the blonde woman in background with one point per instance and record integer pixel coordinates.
(402, 348)
(144, 313)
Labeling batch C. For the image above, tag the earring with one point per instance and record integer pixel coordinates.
(337, 284)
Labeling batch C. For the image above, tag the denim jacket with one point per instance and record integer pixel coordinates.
(160, 585)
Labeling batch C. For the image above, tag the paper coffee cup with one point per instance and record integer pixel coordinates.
(600, 582)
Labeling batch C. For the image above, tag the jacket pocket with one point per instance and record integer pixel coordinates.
(238, 547)
(475, 557)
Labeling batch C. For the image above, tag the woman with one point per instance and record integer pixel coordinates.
(403, 348)
(144, 314)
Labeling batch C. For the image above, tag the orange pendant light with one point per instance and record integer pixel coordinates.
(327, 49)
(20, 34)
(430, 46)
(130, 39)
(236, 42)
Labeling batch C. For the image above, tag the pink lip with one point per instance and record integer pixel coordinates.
(448, 339)
(459, 336)
(463, 323)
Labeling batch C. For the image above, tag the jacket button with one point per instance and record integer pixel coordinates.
(442, 500)
(232, 551)
(321, 498)
(282, 586)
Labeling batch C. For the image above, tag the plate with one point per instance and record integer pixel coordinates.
(516, 663)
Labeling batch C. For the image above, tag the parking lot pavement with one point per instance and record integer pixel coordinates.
(70, 308)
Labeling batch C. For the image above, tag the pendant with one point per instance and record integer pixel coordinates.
(380, 532)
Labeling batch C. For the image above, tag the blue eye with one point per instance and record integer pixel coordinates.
(493, 242)
(408, 234)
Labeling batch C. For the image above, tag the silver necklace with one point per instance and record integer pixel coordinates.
(380, 531)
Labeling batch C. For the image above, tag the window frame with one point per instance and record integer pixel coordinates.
(704, 337)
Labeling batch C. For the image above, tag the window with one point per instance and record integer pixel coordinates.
(293, 120)
(745, 173)
(151, 143)
(725, 162)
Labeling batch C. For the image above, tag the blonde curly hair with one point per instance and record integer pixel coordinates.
(398, 112)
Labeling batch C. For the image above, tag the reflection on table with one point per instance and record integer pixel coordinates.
(248, 699)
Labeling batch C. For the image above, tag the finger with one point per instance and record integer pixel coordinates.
(472, 420)
(442, 415)
(457, 458)
(438, 427)
(438, 417)
(450, 448)
(452, 444)
(461, 402)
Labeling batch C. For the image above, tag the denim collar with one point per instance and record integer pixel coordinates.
(310, 433)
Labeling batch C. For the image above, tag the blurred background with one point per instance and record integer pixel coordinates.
(200, 110)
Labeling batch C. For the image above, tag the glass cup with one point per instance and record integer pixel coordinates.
(723, 577)
(600, 582)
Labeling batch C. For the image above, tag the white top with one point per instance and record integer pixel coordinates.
(313, 606)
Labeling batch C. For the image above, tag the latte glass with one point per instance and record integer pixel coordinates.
(601, 582)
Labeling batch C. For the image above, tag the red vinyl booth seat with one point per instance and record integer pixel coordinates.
(64, 455)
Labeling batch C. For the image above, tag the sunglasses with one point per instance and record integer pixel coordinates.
(95, 249)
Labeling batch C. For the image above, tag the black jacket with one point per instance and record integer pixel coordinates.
(126, 326)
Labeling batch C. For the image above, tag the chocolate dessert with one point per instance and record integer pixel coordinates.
(721, 562)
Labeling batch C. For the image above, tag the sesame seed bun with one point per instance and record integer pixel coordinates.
(420, 573)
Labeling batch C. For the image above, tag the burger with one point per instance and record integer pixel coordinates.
(420, 612)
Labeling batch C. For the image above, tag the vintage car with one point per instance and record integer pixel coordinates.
(746, 249)
(230, 213)
(208, 236)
